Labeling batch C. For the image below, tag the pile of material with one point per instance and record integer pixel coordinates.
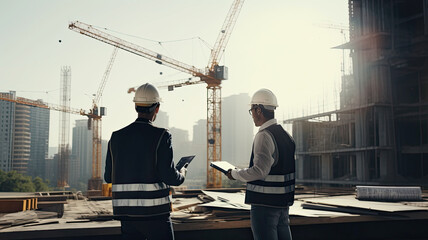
(386, 193)
(349, 204)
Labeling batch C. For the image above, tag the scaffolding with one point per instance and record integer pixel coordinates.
(64, 128)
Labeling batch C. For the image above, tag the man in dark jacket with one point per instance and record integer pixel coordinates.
(140, 166)
(270, 175)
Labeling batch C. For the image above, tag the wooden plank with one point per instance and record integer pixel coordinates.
(28, 204)
(13, 195)
(298, 211)
(32, 203)
(185, 206)
(328, 209)
(40, 204)
(13, 205)
(183, 203)
(42, 223)
(51, 198)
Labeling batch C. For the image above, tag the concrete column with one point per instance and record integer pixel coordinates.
(300, 167)
(386, 139)
(360, 128)
(326, 167)
(387, 165)
(362, 167)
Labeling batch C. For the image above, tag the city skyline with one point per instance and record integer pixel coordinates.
(236, 141)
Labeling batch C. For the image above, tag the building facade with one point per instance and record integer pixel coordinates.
(39, 147)
(24, 137)
(21, 139)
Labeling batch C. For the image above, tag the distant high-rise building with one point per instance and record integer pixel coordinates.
(80, 168)
(179, 135)
(197, 174)
(180, 142)
(7, 119)
(21, 139)
(81, 152)
(51, 169)
(162, 120)
(39, 129)
(237, 137)
(74, 170)
(237, 130)
(24, 137)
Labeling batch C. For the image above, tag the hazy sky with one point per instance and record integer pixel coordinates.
(282, 45)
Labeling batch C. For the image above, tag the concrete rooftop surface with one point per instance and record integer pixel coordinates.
(210, 214)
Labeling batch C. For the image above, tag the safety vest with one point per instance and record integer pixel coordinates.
(277, 189)
(136, 187)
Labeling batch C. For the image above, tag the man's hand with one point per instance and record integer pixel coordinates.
(229, 174)
(183, 170)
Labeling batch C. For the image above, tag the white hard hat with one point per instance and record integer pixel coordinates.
(266, 98)
(146, 95)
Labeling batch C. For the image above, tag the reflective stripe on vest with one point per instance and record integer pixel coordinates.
(273, 189)
(138, 187)
(279, 178)
(141, 202)
(270, 190)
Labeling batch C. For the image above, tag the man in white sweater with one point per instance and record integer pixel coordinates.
(270, 176)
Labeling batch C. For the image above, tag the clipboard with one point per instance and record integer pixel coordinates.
(183, 161)
(222, 166)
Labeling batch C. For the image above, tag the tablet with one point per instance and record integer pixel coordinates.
(183, 161)
(222, 166)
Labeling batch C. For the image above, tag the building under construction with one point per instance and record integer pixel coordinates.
(380, 133)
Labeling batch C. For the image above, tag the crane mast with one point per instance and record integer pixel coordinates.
(212, 75)
(64, 129)
(214, 95)
(95, 116)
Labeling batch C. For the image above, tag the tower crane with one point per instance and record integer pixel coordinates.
(212, 75)
(94, 117)
(94, 121)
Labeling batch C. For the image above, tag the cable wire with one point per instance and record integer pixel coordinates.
(156, 41)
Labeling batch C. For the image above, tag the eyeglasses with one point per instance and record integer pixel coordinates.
(249, 111)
